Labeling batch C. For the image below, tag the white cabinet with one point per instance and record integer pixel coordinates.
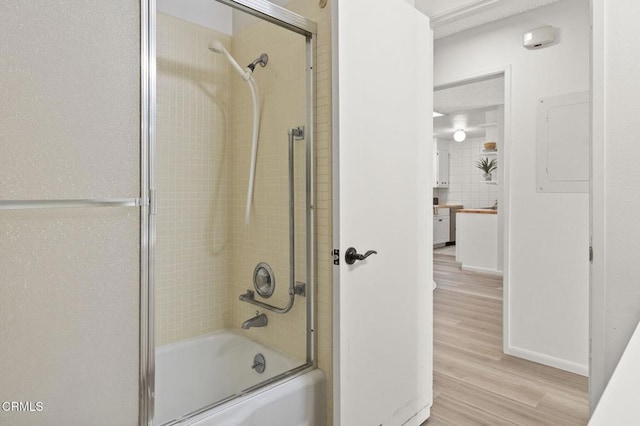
(440, 230)
(441, 163)
(563, 143)
(441, 224)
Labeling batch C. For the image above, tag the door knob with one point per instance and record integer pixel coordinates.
(351, 255)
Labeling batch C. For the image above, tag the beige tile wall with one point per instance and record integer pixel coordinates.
(230, 250)
(323, 206)
(266, 237)
(193, 162)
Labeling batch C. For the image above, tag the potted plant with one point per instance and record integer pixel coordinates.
(487, 166)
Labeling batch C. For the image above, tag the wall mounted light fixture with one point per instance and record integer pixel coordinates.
(459, 135)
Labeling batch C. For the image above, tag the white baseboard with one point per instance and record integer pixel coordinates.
(551, 361)
(420, 417)
(483, 270)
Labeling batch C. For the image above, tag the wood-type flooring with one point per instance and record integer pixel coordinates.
(474, 382)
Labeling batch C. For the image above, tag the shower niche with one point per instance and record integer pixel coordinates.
(231, 172)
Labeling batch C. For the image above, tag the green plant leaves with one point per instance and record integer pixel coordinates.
(486, 165)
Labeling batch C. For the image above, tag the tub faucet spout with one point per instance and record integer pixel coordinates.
(260, 320)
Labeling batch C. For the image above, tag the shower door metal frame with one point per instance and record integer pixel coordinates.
(284, 18)
(147, 215)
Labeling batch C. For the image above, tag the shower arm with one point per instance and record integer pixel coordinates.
(295, 288)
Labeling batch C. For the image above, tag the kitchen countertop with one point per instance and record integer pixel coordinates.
(450, 206)
(478, 211)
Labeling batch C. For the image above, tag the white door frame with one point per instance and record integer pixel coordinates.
(505, 206)
(597, 210)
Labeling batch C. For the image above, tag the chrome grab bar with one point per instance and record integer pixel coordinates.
(296, 133)
(80, 203)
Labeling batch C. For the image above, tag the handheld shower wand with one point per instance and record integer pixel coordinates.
(247, 75)
(262, 60)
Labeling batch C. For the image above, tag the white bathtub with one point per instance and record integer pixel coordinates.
(195, 373)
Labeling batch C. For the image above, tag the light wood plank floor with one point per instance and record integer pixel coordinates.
(474, 383)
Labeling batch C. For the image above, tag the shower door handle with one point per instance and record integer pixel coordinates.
(351, 255)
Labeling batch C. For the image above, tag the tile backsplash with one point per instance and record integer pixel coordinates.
(466, 184)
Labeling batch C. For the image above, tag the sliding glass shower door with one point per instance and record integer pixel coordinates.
(232, 248)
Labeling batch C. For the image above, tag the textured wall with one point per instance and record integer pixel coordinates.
(192, 171)
(69, 291)
(70, 96)
(69, 286)
(616, 233)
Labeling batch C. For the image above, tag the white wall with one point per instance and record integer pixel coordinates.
(501, 192)
(206, 13)
(547, 273)
(616, 178)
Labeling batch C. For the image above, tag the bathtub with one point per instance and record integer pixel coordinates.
(194, 373)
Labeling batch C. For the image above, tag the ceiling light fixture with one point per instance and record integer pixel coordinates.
(459, 135)
(437, 114)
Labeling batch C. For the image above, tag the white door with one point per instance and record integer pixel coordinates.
(383, 186)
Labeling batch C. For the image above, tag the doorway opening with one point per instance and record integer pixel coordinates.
(474, 361)
(469, 179)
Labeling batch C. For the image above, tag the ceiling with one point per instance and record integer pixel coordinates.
(453, 16)
(466, 106)
(476, 95)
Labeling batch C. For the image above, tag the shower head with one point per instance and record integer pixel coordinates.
(262, 60)
(217, 47)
